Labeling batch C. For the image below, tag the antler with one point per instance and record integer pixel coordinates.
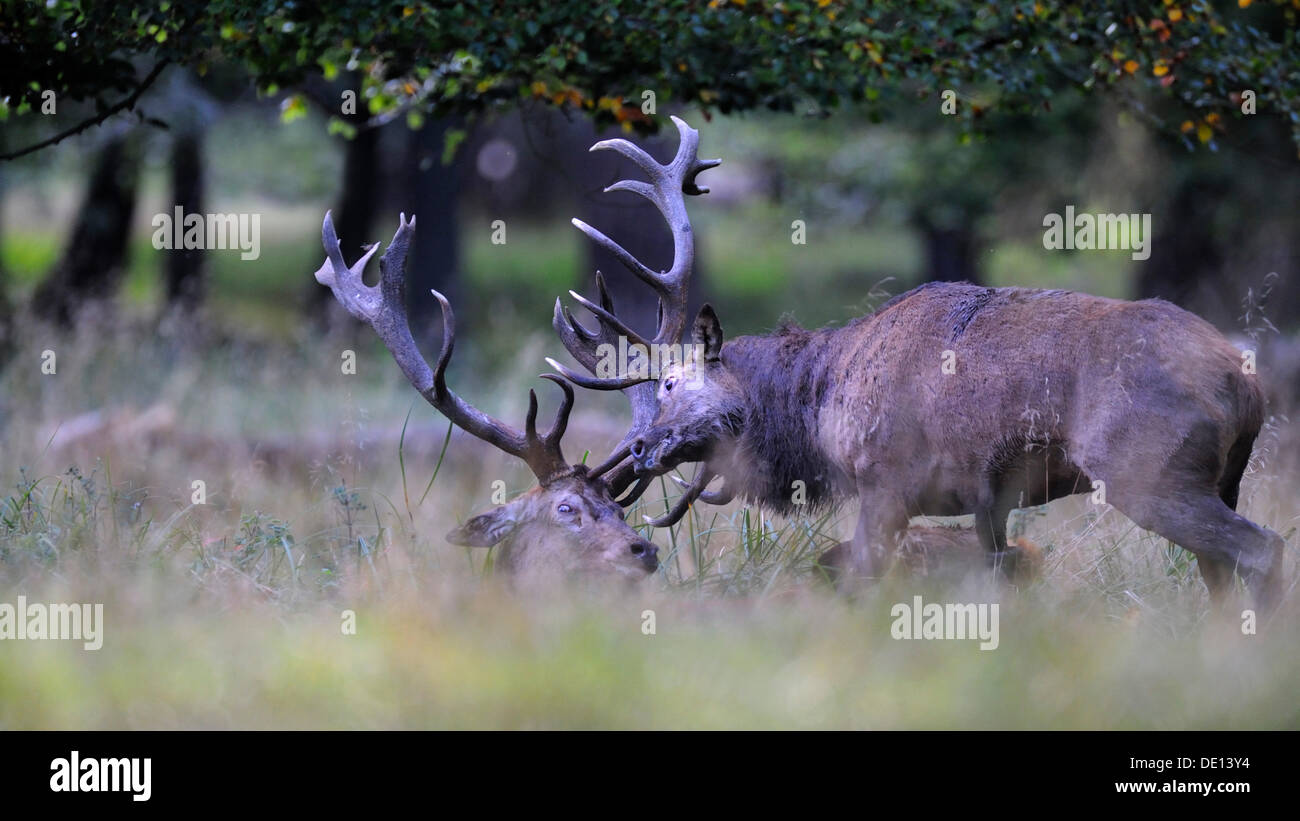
(383, 307)
(668, 184)
(723, 495)
(692, 490)
(689, 495)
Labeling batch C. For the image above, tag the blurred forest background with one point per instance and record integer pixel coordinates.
(176, 366)
(893, 187)
(886, 205)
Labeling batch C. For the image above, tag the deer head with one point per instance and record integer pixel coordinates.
(701, 407)
(667, 186)
(569, 524)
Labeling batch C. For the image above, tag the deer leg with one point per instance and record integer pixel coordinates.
(874, 543)
(1218, 574)
(991, 527)
(829, 566)
(1222, 541)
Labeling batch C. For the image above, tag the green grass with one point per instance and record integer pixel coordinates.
(489, 660)
(1102, 273)
(229, 614)
(749, 268)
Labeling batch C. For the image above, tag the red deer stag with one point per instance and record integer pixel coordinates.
(950, 399)
(568, 526)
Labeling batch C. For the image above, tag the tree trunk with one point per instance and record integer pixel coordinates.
(6, 308)
(185, 268)
(949, 252)
(94, 262)
(354, 216)
(1185, 256)
(431, 194)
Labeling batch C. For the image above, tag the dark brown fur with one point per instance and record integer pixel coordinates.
(928, 550)
(1051, 391)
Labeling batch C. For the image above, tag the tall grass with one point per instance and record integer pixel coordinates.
(328, 493)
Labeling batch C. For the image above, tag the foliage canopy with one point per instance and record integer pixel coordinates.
(1184, 65)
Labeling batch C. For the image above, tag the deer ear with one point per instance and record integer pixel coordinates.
(707, 333)
(486, 529)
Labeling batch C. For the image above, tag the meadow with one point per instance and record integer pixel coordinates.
(326, 494)
(325, 498)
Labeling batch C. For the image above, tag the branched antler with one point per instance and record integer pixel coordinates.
(383, 307)
(689, 495)
(692, 491)
(667, 187)
(724, 494)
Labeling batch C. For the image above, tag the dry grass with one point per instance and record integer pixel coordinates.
(228, 614)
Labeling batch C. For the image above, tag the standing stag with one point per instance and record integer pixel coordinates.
(950, 399)
(569, 525)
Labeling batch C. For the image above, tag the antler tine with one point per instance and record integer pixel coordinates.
(614, 459)
(583, 344)
(383, 307)
(623, 477)
(622, 474)
(644, 272)
(595, 383)
(721, 496)
(392, 265)
(542, 453)
(633, 152)
(561, 424)
(359, 299)
(610, 319)
(692, 492)
(667, 186)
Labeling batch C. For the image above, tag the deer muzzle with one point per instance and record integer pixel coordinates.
(647, 553)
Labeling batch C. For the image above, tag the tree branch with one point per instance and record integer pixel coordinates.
(128, 103)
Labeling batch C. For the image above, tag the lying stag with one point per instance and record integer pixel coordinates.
(930, 550)
(950, 399)
(569, 526)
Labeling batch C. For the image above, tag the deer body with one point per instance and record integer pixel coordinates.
(955, 399)
(951, 399)
(569, 525)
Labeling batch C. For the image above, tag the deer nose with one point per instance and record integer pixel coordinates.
(647, 553)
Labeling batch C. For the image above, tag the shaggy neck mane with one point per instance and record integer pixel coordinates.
(785, 380)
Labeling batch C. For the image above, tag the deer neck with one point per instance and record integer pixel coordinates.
(776, 460)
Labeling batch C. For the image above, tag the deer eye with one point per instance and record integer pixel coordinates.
(565, 507)
(668, 384)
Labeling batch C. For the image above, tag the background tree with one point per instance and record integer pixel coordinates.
(1192, 70)
(94, 258)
